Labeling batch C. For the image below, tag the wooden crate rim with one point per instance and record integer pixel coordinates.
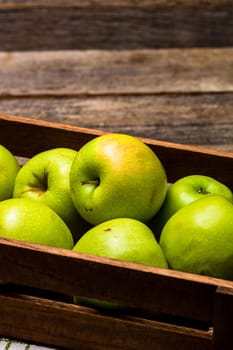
(156, 271)
(98, 132)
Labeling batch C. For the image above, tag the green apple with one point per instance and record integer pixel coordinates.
(30, 221)
(45, 178)
(184, 191)
(117, 175)
(198, 238)
(122, 239)
(9, 167)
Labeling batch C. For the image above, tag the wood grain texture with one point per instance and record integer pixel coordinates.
(112, 3)
(199, 119)
(223, 312)
(161, 291)
(182, 96)
(126, 25)
(91, 330)
(72, 273)
(96, 72)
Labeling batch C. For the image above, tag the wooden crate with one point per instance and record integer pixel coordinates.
(170, 309)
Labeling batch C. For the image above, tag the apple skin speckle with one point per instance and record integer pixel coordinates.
(88, 209)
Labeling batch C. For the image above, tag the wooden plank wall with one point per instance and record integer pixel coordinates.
(120, 24)
(160, 68)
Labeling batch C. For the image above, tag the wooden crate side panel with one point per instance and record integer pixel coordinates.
(72, 327)
(149, 290)
(223, 319)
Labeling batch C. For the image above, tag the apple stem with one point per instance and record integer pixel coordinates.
(92, 182)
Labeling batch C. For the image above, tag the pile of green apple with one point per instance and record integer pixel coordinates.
(112, 198)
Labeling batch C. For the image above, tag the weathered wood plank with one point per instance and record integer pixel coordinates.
(73, 273)
(223, 321)
(112, 3)
(73, 327)
(198, 119)
(186, 94)
(96, 72)
(154, 24)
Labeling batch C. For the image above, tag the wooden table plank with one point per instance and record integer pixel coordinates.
(103, 72)
(198, 119)
(112, 3)
(182, 96)
(123, 24)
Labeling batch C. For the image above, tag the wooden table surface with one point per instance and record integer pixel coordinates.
(155, 68)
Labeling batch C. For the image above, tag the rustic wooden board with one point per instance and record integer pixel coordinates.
(199, 119)
(161, 291)
(123, 24)
(112, 3)
(162, 316)
(72, 327)
(96, 72)
(175, 95)
(223, 321)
